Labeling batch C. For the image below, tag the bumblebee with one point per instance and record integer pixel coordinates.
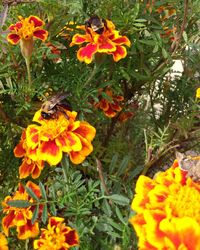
(96, 23)
(57, 103)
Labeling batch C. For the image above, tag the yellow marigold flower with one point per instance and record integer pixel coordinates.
(24, 31)
(198, 93)
(109, 42)
(3, 242)
(168, 210)
(48, 140)
(57, 236)
(21, 217)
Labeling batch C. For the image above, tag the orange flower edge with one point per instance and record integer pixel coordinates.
(57, 236)
(21, 217)
(109, 42)
(167, 211)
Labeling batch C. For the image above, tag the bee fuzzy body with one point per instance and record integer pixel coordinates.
(55, 105)
(96, 23)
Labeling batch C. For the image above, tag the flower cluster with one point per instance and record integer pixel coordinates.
(168, 209)
(49, 139)
(111, 104)
(109, 42)
(24, 31)
(56, 236)
(21, 217)
(3, 242)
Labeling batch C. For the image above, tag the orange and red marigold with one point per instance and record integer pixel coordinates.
(111, 104)
(168, 211)
(57, 236)
(25, 31)
(49, 139)
(109, 42)
(21, 217)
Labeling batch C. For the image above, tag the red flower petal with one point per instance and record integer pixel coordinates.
(105, 45)
(36, 20)
(110, 113)
(19, 150)
(86, 131)
(115, 106)
(71, 238)
(86, 53)
(28, 231)
(122, 40)
(13, 38)
(50, 152)
(7, 222)
(119, 53)
(79, 39)
(41, 34)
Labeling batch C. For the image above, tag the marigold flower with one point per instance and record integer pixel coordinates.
(3, 242)
(24, 31)
(28, 166)
(21, 217)
(48, 140)
(57, 236)
(111, 105)
(168, 209)
(198, 93)
(109, 42)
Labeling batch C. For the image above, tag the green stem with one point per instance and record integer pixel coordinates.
(26, 244)
(27, 60)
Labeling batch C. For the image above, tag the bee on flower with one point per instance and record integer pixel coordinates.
(56, 132)
(100, 36)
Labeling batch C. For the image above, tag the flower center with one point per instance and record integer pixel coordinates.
(27, 29)
(186, 203)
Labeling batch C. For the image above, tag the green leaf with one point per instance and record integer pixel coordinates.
(115, 225)
(31, 193)
(35, 214)
(106, 208)
(120, 216)
(44, 213)
(19, 203)
(53, 209)
(113, 163)
(164, 53)
(119, 199)
(123, 166)
(43, 192)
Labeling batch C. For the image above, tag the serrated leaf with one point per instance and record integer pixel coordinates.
(43, 192)
(35, 214)
(113, 163)
(120, 216)
(53, 209)
(123, 166)
(19, 203)
(106, 208)
(44, 213)
(31, 193)
(119, 199)
(115, 225)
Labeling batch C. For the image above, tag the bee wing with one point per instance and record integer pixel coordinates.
(58, 98)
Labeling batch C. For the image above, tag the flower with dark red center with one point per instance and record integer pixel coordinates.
(57, 236)
(21, 217)
(109, 42)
